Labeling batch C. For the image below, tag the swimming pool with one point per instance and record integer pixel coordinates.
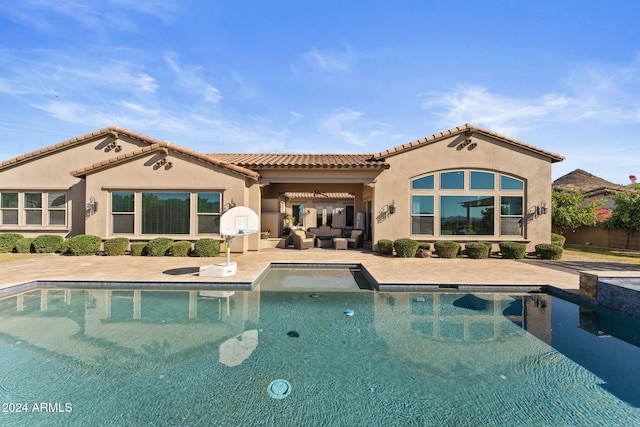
(287, 355)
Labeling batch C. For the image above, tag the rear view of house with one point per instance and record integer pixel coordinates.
(463, 184)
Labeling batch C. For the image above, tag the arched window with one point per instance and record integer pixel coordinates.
(464, 201)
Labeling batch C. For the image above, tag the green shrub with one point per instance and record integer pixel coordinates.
(446, 248)
(206, 248)
(405, 248)
(137, 248)
(83, 244)
(159, 246)
(477, 250)
(116, 246)
(47, 244)
(181, 249)
(8, 241)
(549, 251)
(385, 247)
(24, 246)
(558, 239)
(487, 244)
(512, 250)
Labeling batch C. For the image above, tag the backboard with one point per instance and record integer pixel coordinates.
(239, 220)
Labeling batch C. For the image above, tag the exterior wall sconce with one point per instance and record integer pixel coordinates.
(541, 209)
(229, 205)
(92, 206)
(392, 208)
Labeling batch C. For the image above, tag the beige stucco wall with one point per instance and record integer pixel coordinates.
(393, 185)
(50, 172)
(185, 174)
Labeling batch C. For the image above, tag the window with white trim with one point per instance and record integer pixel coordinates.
(33, 208)
(463, 202)
(165, 212)
(209, 207)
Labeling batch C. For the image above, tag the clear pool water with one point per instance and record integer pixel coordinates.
(190, 357)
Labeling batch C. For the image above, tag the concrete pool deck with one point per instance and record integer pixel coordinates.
(562, 274)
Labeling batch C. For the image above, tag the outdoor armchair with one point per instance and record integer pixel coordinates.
(303, 239)
(356, 239)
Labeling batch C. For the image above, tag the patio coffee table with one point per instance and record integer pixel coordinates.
(340, 243)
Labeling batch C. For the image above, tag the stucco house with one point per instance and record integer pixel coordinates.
(464, 184)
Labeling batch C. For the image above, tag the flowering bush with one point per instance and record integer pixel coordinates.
(602, 215)
(626, 214)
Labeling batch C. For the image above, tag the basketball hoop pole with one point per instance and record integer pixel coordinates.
(227, 240)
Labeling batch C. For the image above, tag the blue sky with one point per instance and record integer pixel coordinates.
(326, 76)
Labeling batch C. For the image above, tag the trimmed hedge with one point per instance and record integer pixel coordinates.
(385, 247)
(206, 248)
(477, 250)
(405, 248)
(47, 244)
(512, 250)
(446, 248)
(116, 246)
(83, 244)
(159, 246)
(137, 248)
(558, 239)
(181, 249)
(549, 251)
(25, 245)
(8, 241)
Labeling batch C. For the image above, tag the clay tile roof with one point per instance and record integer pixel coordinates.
(581, 180)
(165, 146)
(302, 161)
(467, 128)
(76, 141)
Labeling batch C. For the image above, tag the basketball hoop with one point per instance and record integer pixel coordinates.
(237, 221)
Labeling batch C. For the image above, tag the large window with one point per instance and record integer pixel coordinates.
(33, 208)
(165, 213)
(466, 215)
(464, 203)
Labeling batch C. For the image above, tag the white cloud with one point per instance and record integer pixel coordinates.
(189, 77)
(472, 104)
(95, 17)
(352, 127)
(608, 95)
(330, 60)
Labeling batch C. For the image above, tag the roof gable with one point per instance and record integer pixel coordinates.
(115, 131)
(163, 147)
(581, 180)
(467, 129)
